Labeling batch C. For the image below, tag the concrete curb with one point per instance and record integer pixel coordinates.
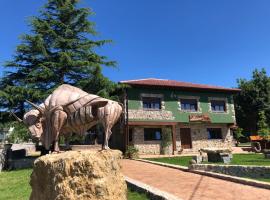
(165, 164)
(245, 181)
(152, 192)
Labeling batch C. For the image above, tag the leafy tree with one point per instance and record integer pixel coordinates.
(58, 50)
(238, 133)
(254, 97)
(263, 128)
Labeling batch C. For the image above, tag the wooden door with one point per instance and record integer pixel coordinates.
(185, 138)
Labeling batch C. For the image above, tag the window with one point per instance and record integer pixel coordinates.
(152, 134)
(218, 106)
(151, 103)
(189, 105)
(214, 133)
(130, 134)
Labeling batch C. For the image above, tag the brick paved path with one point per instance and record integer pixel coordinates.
(189, 186)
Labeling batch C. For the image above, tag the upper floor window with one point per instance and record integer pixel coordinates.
(189, 105)
(153, 103)
(218, 105)
(214, 133)
(152, 134)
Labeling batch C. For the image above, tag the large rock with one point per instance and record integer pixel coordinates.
(78, 175)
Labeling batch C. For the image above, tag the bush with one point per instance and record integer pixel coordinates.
(131, 152)
(166, 140)
(238, 133)
(19, 133)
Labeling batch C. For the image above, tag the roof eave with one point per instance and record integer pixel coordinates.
(232, 90)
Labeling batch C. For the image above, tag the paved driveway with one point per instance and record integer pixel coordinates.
(189, 186)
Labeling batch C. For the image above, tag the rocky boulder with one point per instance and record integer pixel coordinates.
(78, 175)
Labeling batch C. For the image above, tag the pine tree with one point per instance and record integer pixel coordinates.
(58, 50)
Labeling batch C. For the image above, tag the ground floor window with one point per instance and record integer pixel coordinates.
(152, 134)
(214, 133)
(130, 134)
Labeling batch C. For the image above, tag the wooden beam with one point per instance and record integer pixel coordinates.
(145, 123)
(173, 138)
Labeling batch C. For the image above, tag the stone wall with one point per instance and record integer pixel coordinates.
(150, 114)
(199, 139)
(2, 159)
(235, 170)
(146, 147)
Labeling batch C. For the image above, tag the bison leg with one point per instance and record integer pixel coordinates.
(58, 120)
(106, 136)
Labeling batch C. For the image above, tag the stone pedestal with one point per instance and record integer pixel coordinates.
(78, 175)
(218, 155)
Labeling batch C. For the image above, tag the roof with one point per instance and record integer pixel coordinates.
(176, 84)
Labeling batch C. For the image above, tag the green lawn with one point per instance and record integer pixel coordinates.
(238, 159)
(136, 196)
(250, 159)
(14, 185)
(247, 144)
(183, 160)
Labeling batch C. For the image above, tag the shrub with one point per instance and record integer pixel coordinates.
(19, 133)
(131, 152)
(238, 133)
(166, 140)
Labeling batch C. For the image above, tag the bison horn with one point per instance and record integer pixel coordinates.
(40, 109)
(16, 117)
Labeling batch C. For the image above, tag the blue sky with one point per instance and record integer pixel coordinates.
(210, 41)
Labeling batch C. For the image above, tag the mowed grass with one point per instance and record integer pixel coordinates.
(136, 196)
(238, 159)
(14, 185)
(183, 160)
(250, 159)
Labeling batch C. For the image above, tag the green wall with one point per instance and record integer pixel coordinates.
(171, 103)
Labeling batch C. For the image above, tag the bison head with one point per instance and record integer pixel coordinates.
(34, 121)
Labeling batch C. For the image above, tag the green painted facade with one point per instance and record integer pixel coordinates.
(171, 99)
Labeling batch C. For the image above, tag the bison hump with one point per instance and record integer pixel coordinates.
(83, 101)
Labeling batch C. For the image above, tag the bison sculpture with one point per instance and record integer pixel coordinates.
(70, 110)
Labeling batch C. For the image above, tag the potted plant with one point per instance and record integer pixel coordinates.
(131, 152)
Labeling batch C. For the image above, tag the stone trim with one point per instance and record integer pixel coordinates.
(150, 114)
(197, 98)
(233, 109)
(218, 99)
(235, 170)
(161, 96)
